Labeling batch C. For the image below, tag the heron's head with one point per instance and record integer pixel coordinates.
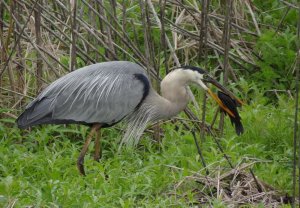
(201, 77)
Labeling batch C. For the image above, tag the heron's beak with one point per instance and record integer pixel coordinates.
(216, 98)
(222, 88)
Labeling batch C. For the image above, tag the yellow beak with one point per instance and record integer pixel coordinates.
(222, 88)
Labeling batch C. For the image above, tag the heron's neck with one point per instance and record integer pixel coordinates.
(174, 96)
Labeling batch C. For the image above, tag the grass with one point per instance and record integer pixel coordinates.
(38, 168)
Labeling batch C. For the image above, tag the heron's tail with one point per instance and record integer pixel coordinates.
(37, 112)
(239, 129)
(22, 120)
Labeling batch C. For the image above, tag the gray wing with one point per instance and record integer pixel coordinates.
(100, 93)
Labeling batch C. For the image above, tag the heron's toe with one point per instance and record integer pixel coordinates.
(80, 166)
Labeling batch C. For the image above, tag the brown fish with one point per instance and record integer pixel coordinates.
(232, 104)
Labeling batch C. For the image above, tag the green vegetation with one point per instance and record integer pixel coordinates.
(38, 167)
(277, 60)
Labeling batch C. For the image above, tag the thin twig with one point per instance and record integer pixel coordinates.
(163, 32)
(19, 37)
(200, 152)
(282, 19)
(221, 148)
(73, 11)
(290, 4)
(176, 60)
(35, 46)
(8, 90)
(226, 44)
(39, 61)
(253, 18)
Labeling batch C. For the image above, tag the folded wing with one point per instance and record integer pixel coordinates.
(101, 93)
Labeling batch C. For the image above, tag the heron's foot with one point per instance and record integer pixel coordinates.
(98, 149)
(80, 161)
(97, 155)
(80, 165)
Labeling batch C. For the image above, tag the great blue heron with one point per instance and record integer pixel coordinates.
(103, 94)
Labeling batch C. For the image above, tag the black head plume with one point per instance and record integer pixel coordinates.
(194, 68)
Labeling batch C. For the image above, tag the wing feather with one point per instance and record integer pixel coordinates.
(99, 93)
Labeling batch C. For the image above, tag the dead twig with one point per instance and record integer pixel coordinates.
(19, 37)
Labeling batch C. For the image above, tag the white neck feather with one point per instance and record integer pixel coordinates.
(174, 96)
(174, 99)
(173, 86)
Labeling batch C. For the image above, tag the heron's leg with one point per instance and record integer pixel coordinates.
(88, 140)
(98, 149)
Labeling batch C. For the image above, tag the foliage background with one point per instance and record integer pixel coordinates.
(256, 59)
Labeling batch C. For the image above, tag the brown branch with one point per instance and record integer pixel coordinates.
(19, 56)
(73, 11)
(176, 60)
(226, 45)
(19, 37)
(235, 58)
(163, 32)
(290, 4)
(146, 34)
(50, 19)
(39, 61)
(124, 20)
(1, 18)
(253, 18)
(203, 30)
(37, 48)
(17, 93)
(5, 50)
(110, 34)
(123, 37)
(282, 19)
